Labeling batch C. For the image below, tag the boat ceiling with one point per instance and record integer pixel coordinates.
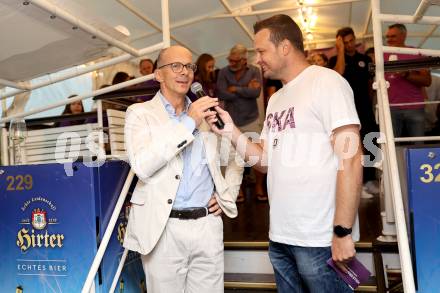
(35, 41)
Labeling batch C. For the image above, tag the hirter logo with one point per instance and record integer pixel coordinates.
(39, 217)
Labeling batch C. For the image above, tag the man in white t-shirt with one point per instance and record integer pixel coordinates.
(311, 151)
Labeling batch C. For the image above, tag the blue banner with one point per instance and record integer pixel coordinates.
(132, 279)
(424, 205)
(51, 225)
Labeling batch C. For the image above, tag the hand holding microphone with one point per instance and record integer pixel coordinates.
(197, 89)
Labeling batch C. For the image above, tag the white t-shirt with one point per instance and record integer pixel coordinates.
(302, 165)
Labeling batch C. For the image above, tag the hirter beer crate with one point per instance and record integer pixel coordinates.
(51, 225)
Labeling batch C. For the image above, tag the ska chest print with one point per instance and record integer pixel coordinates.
(278, 121)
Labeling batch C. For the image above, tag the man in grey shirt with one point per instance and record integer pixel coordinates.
(239, 86)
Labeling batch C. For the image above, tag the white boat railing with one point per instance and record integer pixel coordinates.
(396, 213)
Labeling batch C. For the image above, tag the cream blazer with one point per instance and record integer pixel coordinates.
(154, 144)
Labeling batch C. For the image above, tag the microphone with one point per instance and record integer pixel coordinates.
(197, 89)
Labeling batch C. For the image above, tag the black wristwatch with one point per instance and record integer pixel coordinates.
(340, 231)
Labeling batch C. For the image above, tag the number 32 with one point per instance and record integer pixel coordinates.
(428, 172)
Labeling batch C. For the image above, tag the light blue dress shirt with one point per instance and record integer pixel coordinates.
(196, 184)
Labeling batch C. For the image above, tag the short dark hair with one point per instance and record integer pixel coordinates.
(345, 31)
(282, 27)
(119, 77)
(399, 26)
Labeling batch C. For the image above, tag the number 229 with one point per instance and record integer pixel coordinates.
(429, 177)
(19, 182)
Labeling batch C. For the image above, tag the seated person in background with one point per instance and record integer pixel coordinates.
(319, 59)
(119, 77)
(146, 66)
(72, 108)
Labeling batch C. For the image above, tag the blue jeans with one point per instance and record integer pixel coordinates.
(304, 269)
(410, 120)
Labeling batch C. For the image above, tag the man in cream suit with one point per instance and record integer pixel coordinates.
(174, 220)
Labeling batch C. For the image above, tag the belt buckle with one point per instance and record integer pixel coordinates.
(207, 211)
(181, 216)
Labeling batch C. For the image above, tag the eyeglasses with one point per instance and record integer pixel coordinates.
(177, 67)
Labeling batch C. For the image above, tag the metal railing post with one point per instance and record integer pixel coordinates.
(107, 234)
(399, 212)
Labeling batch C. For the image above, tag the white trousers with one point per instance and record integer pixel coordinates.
(188, 257)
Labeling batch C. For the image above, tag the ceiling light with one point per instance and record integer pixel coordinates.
(307, 17)
(313, 20)
(123, 30)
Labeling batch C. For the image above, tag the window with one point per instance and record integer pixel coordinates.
(50, 94)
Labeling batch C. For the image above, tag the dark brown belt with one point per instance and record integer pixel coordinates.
(189, 214)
